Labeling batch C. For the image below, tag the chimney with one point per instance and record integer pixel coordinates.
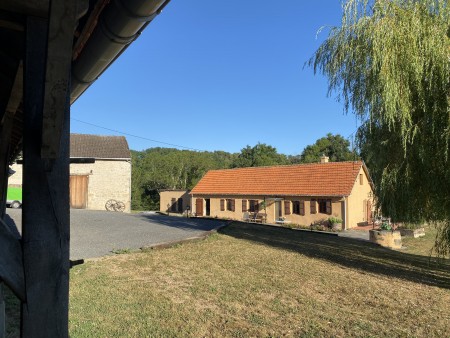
(324, 159)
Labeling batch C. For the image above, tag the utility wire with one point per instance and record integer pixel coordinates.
(136, 136)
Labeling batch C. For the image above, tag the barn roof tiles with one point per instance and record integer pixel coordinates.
(316, 179)
(97, 146)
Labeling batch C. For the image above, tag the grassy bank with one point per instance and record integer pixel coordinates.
(253, 280)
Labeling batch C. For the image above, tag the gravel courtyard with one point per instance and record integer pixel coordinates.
(99, 233)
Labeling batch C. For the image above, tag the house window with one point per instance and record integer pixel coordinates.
(244, 205)
(222, 205)
(298, 207)
(313, 208)
(325, 206)
(253, 206)
(230, 204)
(361, 179)
(287, 207)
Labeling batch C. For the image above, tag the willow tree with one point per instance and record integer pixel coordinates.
(389, 62)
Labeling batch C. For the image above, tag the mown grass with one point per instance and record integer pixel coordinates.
(258, 281)
(422, 245)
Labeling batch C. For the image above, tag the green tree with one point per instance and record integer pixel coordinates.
(259, 155)
(165, 168)
(334, 146)
(390, 63)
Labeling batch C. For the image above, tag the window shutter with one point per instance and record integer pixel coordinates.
(313, 206)
(302, 208)
(232, 205)
(287, 207)
(244, 205)
(361, 179)
(329, 207)
(222, 205)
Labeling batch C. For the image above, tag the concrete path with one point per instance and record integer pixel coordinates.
(356, 234)
(98, 233)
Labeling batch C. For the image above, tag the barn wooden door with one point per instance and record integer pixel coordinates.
(199, 206)
(78, 191)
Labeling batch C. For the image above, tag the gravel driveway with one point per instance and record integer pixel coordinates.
(98, 233)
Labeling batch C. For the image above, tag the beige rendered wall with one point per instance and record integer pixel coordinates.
(307, 219)
(337, 208)
(106, 180)
(357, 201)
(166, 196)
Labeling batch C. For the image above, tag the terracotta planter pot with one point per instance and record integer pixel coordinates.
(336, 226)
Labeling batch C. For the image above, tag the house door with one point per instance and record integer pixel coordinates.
(208, 206)
(369, 212)
(278, 212)
(199, 207)
(78, 191)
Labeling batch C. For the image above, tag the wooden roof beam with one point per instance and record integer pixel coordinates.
(37, 8)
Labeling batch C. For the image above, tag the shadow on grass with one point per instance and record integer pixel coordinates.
(352, 253)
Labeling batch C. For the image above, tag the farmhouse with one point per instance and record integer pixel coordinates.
(302, 194)
(100, 171)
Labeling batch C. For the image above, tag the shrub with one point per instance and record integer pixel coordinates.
(333, 220)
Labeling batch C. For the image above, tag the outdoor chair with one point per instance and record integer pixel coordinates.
(246, 217)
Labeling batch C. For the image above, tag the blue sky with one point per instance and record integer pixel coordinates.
(220, 75)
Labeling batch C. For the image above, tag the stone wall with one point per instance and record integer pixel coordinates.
(107, 179)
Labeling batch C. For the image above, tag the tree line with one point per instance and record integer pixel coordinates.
(154, 169)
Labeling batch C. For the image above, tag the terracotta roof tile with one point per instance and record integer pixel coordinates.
(96, 146)
(316, 179)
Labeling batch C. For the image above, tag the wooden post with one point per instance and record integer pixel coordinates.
(5, 134)
(45, 213)
(2, 314)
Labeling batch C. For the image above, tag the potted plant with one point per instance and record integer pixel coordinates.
(335, 223)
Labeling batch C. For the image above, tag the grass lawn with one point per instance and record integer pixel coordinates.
(258, 281)
(253, 280)
(422, 245)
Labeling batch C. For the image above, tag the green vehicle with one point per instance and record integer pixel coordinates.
(14, 197)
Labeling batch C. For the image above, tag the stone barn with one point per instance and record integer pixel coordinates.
(100, 171)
